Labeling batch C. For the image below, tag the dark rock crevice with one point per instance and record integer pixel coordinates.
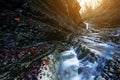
(44, 20)
(33, 29)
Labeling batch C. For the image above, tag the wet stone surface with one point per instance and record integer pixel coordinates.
(17, 30)
(99, 55)
(112, 68)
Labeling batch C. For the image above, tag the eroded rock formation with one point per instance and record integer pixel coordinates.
(107, 13)
(31, 30)
(31, 21)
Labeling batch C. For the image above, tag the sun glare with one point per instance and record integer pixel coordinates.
(88, 3)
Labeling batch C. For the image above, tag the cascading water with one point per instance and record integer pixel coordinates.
(83, 63)
(68, 66)
(87, 25)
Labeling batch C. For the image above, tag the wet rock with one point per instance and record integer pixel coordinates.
(112, 68)
(80, 70)
(116, 56)
(33, 23)
(99, 78)
(104, 75)
(107, 35)
(20, 60)
(85, 52)
(117, 71)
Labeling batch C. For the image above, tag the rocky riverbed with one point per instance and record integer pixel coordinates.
(100, 59)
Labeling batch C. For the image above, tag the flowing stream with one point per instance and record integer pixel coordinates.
(81, 65)
(68, 66)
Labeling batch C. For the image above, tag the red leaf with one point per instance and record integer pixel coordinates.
(46, 62)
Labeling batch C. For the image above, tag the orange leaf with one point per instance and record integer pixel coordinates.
(17, 19)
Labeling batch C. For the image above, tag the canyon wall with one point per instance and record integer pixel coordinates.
(106, 12)
(39, 20)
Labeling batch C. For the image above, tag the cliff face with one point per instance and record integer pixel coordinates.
(106, 12)
(27, 23)
(61, 14)
(38, 20)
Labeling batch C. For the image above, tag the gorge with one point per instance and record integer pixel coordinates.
(48, 40)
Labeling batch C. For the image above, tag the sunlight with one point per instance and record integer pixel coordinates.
(91, 4)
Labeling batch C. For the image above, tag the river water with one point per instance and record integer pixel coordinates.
(86, 65)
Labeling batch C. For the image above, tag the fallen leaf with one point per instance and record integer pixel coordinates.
(17, 19)
(46, 62)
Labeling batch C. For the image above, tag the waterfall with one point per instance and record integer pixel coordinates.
(87, 25)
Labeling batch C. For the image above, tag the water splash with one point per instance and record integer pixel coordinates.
(86, 68)
(92, 59)
(68, 66)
